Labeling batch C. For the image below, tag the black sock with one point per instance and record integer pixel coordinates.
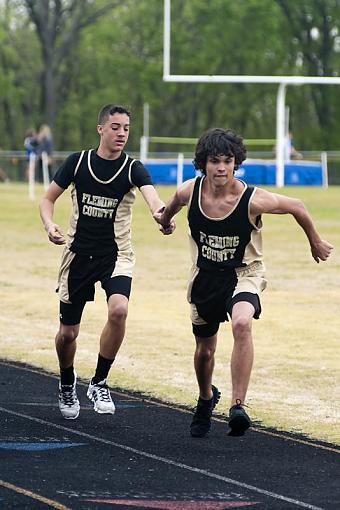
(102, 370)
(67, 375)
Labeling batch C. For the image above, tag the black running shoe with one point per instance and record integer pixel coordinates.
(238, 421)
(201, 422)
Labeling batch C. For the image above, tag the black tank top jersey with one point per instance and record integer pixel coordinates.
(103, 192)
(222, 243)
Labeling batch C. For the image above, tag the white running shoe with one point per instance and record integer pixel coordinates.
(68, 401)
(99, 394)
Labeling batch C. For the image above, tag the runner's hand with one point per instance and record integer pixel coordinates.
(55, 234)
(169, 229)
(321, 250)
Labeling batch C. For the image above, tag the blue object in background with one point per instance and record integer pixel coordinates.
(305, 173)
(165, 171)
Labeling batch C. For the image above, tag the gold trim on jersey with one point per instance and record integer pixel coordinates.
(94, 175)
(79, 161)
(126, 257)
(130, 171)
(74, 217)
(259, 225)
(191, 195)
(229, 212)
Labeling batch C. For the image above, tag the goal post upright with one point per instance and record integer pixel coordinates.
(282, 81)
(166, 39)
(280, 135)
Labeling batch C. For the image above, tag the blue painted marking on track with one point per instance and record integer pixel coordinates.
(36, 446)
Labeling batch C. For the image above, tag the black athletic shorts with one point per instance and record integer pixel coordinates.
(212, 327)
(78, 281)
(212, 295)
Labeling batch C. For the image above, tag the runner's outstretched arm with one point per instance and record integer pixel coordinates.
(266, 202)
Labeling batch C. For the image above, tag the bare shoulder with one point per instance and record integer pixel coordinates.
(184, 191)
(258, 201)
(264, 201)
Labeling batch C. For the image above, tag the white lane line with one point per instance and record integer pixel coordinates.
(164, 460)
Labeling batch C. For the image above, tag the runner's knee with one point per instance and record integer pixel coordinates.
(68, 334)
(241, 326)
(117, 312)
(205, 352)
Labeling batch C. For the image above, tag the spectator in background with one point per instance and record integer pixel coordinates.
(45, 145)
(31, 146)
(31, 142)
(290, 151)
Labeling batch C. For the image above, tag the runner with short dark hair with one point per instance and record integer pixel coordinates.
(98, 248)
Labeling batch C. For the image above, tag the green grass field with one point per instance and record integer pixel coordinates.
(295, 381)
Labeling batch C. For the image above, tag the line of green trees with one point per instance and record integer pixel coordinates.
(61, 60)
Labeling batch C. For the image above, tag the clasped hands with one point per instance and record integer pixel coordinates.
(165, 227)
